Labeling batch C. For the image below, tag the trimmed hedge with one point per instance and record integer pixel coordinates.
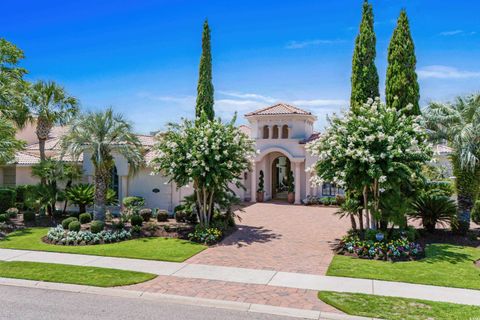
(136, 220)
(85, 218)
(66, 222)
(7, 199)
(146, 214)
(97, 226)
(74, 226)
(162, 216)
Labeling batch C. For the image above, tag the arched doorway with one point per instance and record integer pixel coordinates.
(114, 181)
(280, 169)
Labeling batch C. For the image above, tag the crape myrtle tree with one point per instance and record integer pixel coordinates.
(208, 154)
(401, 85)
(458, 123)
(364, 72)
(371, 153)
(205, 99)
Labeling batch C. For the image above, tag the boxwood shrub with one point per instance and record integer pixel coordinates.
(66, 222)
(85, 218)
(74, 226)
(162, 216)
(96, 226)
(136, 220)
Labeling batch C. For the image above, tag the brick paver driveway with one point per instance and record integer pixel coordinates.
(280, 237)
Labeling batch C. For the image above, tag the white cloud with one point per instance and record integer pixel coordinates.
(456, 32)
(308, 43)
(445, 72)
(247, 96)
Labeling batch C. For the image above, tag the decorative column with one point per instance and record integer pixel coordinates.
(123, 188)
(308, 185)
(297, 183)
(253, 176)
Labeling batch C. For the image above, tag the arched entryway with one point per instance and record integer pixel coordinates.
(280, 168)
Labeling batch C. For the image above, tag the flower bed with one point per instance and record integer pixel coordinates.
(393, 250)
(60, 236)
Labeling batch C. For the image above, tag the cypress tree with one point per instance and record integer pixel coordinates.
(205, 86)
(364, 73)
(401, 86)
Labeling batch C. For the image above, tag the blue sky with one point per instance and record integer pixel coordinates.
(141, 57)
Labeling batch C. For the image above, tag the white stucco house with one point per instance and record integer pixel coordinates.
(280, 133)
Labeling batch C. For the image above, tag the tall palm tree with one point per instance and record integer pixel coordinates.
(51, 105)
(459, 124)
(100, 135)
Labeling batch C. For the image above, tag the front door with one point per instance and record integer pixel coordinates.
(280, 169)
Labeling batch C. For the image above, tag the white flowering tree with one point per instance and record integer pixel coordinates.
(371, 151)
(207, 154)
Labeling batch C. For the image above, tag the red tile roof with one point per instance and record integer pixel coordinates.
(279, 108)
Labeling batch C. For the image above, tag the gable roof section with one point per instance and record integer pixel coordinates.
(279, 108)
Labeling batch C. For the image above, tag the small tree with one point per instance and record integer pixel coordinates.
(208, 154)
(371, 152)
(261, 182)
(364, 72)
(401, 85)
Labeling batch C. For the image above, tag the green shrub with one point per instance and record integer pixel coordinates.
(476, 212)
(118, 225)
(146, 214)
(85, 218)
(180, 216)
(81, 195)
(4, 217)
(184, 213)
(205, 235)
(340, 199)
(132, 203)
(12, 213)
(28, 216)
(162, 216)
(434, 209)
(7, 199)
(74, 226)
(409, 233)
(66, 222)
(96, 226)
(136, 229)
(136, 220)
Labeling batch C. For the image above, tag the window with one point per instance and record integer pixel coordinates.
(275, 132)
(285, 132)
(114, 181)
(331, 190)
(9, 176)
(266, 132)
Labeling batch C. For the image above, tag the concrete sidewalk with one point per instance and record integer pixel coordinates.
(254, 276)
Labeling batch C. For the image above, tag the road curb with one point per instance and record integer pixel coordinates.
(201, 302)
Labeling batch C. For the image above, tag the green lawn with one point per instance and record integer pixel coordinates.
(444, 265)
(51, 272)
(163, 249)
(393, 308)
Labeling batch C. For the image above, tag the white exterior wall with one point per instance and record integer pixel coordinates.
(24, 176)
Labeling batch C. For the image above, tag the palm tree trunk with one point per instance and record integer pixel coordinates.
(101, 187)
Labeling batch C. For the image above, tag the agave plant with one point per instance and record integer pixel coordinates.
(433, 209)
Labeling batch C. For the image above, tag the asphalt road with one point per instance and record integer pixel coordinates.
(38, 304)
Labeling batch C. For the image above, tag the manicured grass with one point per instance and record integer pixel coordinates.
(397, 308)
(51, 272)
(163, 249)
(444, 265)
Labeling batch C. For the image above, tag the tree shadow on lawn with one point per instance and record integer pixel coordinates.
(17, 233)
(247, 235)
(447, 253)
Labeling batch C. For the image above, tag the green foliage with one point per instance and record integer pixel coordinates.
(476, 212)
(100, 134)
(74, 226)
(290, 182)
(133, 203)
(136, 220)
(28, 216)
(261, 182)
(364, 73)
(146, 214)
(4, 218)
(12, 212)
(349, 209)
(205, 99)
(434, 209)
(162, 216)
(85, 217)
(66, 222)
(205, 235)
(81, 195)
(7, 199)
(96, 226)
(401, 85)
(111, 199)
(8, 144)
(209, 154)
